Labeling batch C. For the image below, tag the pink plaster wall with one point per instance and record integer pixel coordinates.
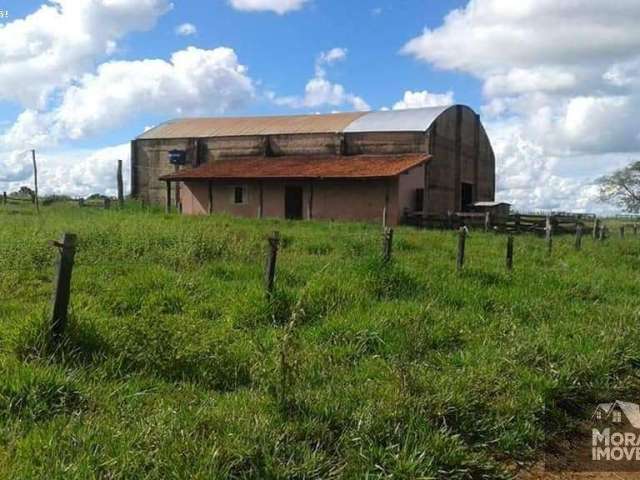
(355, 200)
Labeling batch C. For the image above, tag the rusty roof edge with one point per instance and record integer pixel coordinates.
(185, 174)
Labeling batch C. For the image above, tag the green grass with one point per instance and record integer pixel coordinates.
(176, 365)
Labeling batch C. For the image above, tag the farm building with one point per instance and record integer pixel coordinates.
(343, 166)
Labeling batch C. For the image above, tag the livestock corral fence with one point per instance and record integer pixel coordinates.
(514, 223)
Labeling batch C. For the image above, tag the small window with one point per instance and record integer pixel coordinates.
(239, 195)
(599, 415)
(617, 416)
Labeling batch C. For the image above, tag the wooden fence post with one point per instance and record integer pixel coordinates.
(601, 233)
(4, 198)
(578, 237)
(272, 256)
(517, 223)
(487, 221)
(120, 185)
(35, 181)
(596, 228)
(510, 252)
(62, 292)
(450, 220)
(462, 237)
(387, 244)
(81, 202)
(549, 235)
(622, 232)
(107, 203)
(635, 229)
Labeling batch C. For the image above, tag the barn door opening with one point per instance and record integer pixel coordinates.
(293, 203)
(466, 196)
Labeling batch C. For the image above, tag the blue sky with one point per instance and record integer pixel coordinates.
(559, 98)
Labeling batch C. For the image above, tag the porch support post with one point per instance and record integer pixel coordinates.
(385, 211)
(310, 203)
(168, 205)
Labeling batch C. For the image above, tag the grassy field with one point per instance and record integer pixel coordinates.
(175, 364)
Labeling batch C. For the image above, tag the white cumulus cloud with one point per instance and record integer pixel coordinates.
(193, 81)
(278, 6)
(186, 29)
(321, 92)
(62, 39)
(423, 99)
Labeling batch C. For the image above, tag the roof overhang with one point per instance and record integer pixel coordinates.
(299, 167)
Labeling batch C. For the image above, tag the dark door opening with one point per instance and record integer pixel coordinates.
(466, 196)
(293, 203)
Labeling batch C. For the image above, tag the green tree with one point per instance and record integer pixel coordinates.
(622, 187)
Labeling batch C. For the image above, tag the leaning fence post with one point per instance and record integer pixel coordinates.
(510, 252)
(272, 256)
(462, 237)
(596, 228)
(578, 237)
(62, 292)
(387, 244)
(549, 235)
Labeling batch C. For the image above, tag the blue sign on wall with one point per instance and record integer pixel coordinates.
(177, 157)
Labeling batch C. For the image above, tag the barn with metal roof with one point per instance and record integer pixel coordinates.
(368, 166)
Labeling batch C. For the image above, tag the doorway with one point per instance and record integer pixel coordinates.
(466, 197)
(293, 203)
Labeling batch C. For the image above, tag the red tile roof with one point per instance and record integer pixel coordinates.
(303, 167)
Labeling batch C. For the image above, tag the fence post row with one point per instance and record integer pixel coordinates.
(62, 292)
(272, 256)
(510, 252)
(578, 237)
(387, 244)
(462, 237)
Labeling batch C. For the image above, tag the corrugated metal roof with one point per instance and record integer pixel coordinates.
(303, 167)
(413, 120)
(240, 126)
